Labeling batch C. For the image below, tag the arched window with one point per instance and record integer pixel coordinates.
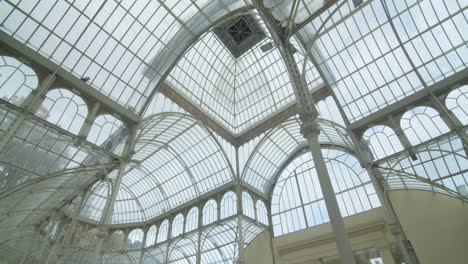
(135, 239)
(457, 102)
(297, 201)
(16, 80)
(109, 133)
(65, 109)
(210, 212)
(262, 213)
(178, 225)
(162, 234)
(228, 205)
(381, 141)
(192, 220)
(247, 205)
(151, 236)
(116, 240)
(421, 124)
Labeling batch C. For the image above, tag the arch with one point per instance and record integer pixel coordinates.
(151, 236)
(210, 213)
(262, 213)
(247, 205)
(64, 109)
(182, 250)
(178, 225)
(457, 103)
(421, 124)
(228, 205)
(176, 160)
(135, 239)
(17, 80)
(116, 240)
(381, 141)
(191, 222)
(163, 231)
(440, 167)
(275, 148)
(297, 199)
(109, 133)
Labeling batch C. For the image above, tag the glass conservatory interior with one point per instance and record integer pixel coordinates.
(233, 131)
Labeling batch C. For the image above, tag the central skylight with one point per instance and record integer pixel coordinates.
(240, 31)
(240, 34)
(237, 92)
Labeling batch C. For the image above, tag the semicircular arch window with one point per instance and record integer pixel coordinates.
(17, 80)
(422, 123)
(151, 236)
(109, 133)
(297, 199)
(247, 205)
(228, 205)
(135, 239)
(457, 103)
(65, 109)
(381, 141)
(210, 213)
(192, 220)
(177, 225)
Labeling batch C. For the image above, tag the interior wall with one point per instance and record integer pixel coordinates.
(259, 250)
(436, 225)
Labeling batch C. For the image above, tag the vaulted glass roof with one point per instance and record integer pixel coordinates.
(389, 79)
(117, 44)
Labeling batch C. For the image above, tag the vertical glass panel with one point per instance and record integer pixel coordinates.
(228, 205)
(151, 236)
(262, 213)
(163, 229)
(177, 225)
(247, 204)
(210, 212)
(192, 220)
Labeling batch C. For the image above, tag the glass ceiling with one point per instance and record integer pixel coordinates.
(237, 92)
(117, 44)
(371, 57)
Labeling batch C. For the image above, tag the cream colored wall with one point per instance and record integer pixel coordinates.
(259, 250)
(436, 225)
(365, 230)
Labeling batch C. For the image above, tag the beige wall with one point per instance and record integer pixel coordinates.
(259, 250)
(436, 225)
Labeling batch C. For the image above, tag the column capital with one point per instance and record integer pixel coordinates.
(309, 127)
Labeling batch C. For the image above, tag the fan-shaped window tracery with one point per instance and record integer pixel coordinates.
(17, 80)
(65, 109)
(297, 199)
(457, 102)
(422, 123)
(381, 141)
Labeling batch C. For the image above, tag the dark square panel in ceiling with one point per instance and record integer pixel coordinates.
(240, 34)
